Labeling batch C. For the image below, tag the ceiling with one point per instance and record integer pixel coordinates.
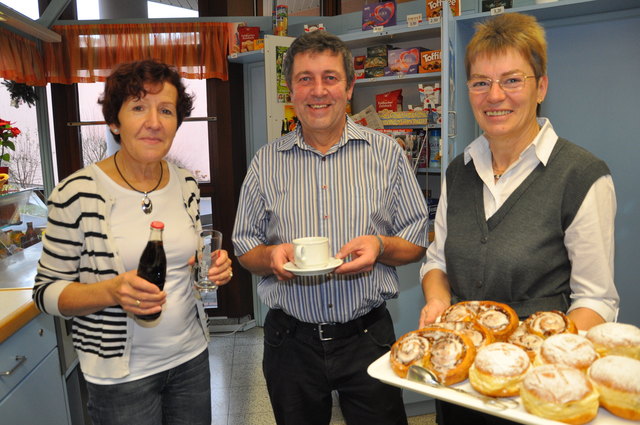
(186, 4)
(294, 5)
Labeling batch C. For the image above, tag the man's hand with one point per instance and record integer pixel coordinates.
(279, 256)
(364, 252)
(265, 260)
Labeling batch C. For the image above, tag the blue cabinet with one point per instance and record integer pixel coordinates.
(31, 386)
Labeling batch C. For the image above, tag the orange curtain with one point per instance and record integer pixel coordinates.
(88, 53)
(20, 59)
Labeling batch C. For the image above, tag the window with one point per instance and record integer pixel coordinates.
(24, 164)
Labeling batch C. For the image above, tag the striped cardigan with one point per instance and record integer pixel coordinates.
(77, 247)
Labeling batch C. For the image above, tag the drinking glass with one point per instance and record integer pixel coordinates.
(212, 241)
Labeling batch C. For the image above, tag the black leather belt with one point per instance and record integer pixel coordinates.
(330, 331)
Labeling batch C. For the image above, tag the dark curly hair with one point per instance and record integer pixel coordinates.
(128, 80)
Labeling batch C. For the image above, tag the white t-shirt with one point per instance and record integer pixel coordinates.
(176, 337)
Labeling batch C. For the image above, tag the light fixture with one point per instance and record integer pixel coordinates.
(16, 20)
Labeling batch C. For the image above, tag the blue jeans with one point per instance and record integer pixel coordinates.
(178, 396)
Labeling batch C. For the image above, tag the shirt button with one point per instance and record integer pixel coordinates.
(484, 239)
(324, 158)
(325, 217)
(324, 187)
(479, 284)
(330, 305)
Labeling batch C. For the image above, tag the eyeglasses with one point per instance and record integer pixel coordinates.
(510, 83)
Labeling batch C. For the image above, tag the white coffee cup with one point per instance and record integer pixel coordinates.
(311, 252)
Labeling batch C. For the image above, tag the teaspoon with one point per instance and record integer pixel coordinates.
(425, 376)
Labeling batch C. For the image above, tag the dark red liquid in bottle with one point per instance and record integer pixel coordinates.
(153, 263)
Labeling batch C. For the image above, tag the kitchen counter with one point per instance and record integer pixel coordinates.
(19, 269)
(16, 310)
(17, 274)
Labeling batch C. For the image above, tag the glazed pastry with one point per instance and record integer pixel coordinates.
(500, 319)
(560, 393)
(408, 350)
(498, 369)
(616, 338)
(567, 349)
(547, 323)
(480, 336)
(446, 353)
(529, 342)
(617, 379)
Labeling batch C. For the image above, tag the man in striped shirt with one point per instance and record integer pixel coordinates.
(333, 178)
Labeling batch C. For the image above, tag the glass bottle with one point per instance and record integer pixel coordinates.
(153, 263)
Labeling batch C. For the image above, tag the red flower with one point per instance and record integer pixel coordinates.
(15, 130)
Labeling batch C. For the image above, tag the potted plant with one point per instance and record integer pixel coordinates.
(7, 135)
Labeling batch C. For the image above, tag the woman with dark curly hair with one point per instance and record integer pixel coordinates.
(138, 372)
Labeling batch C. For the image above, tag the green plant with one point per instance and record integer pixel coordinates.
(7, 134)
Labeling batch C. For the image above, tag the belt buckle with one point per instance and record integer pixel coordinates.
(320, 332)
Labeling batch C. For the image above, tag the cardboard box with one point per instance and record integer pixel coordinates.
(404, 60)
(247, 36)
(487, 5)
(234, 42)
(374, 72)
(403, 117)
(378, 14)
(358, 62)
(430, 61)
(375, 62)
(379, 50)
(434, 8)
(389, 101)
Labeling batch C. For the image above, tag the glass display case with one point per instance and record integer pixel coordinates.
(23, 217)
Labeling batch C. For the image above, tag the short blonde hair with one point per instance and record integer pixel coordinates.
(510, 30)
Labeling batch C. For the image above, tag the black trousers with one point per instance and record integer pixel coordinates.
(452, 414)
(301, 372)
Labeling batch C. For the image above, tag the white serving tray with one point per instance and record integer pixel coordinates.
(381, 369)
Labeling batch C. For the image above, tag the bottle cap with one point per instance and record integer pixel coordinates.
(157, 225)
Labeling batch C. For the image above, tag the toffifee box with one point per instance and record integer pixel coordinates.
(430, 61)
(434, 7)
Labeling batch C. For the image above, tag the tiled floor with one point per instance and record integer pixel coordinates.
(238, 391)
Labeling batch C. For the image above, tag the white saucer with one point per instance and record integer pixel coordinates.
(327, 268)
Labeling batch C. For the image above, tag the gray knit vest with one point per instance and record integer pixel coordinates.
(518, 255)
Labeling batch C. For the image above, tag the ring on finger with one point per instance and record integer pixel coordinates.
(138, 303)
(230, 274)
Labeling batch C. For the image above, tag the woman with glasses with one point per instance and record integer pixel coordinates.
(525, 217)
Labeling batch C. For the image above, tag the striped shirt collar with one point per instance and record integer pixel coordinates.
(351, 132)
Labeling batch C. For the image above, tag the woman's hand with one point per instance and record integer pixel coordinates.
(431, 311)
(220, 271)
(137, 295)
